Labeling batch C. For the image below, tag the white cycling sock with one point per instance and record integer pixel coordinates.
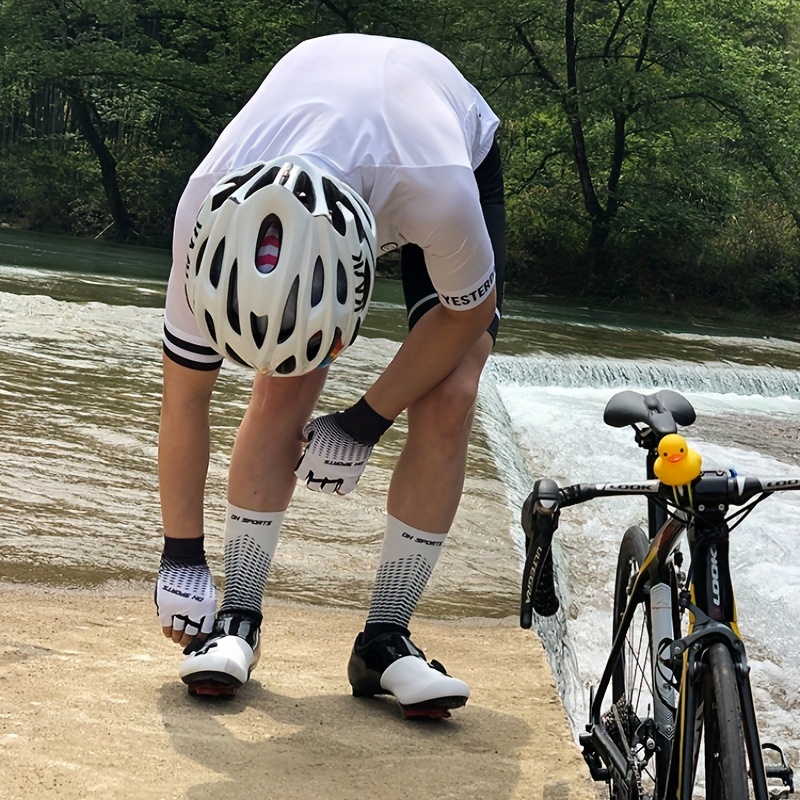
(251, 538)
(407, 560)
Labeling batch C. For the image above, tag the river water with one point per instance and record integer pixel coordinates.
(80, 330)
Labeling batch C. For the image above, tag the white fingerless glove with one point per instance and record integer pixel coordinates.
(185, 597)
(332, 461)
(338, 448)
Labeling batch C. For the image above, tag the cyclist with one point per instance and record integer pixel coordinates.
(399, 149)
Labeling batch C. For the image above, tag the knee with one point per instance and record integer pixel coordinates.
(288, 400)
(266, 398)
(446, 412)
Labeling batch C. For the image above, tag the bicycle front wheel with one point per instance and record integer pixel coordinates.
(641, 719)
(725, 761)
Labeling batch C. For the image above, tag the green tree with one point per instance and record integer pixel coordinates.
(132, 78)
(658, 110)
(646, 143)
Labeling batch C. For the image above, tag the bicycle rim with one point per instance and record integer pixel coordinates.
(633, 684)
(723, 736)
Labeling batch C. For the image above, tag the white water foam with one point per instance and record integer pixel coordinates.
(557, 431)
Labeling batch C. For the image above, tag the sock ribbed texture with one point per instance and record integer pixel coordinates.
(251, 538)
(407, 560)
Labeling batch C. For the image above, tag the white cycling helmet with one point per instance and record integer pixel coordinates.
(281, 266)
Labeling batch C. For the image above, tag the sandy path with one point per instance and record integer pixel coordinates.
(90, 706)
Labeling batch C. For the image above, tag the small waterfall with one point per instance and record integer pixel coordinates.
(749, 384)
(649, 375)
(552, 631)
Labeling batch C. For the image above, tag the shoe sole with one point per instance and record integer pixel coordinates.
(429, 709)
(212, 684)
(433, 709)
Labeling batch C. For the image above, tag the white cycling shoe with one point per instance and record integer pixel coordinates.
(390, 663)
(223, 662)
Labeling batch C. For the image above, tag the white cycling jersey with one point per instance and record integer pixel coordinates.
(392, 118)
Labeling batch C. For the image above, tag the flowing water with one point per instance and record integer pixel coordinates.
(79, 397)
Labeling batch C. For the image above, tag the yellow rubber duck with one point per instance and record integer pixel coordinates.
(677, 464)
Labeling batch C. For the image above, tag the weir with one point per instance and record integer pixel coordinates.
(542, 415)
(648, 375)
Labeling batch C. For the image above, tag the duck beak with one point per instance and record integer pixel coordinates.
(675, 457)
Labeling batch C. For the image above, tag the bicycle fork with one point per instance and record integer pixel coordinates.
(689, 651)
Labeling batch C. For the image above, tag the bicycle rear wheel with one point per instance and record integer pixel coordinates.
(725, 761)
(642, 716)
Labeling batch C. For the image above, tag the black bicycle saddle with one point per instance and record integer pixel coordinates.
(662, 411)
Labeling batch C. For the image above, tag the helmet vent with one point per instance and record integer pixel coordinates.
(355, 332)
(362, 233)
(317, 282)
(268, 244)
(346, 202)
(304, 191)
(267, 179)
(258, 327)
(230, 187)
(199, 259)
(215, 268)
(333, 197)
(232, 353)
(210, 325)
(335, 348)
(287, 366)
(313, 346)
(232, 305)
(341, 283)
(289, 312)
(364, 289)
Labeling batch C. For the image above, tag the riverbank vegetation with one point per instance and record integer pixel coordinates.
(651, 148)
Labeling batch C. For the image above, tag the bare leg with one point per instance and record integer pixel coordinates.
(268, 444)
(429, 476)
(261, 482)
(260, 485)
(424, 493)
(423, 498)
(183, 448)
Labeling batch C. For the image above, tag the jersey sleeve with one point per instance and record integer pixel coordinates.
(445, 219)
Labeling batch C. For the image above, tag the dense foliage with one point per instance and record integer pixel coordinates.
(651, 148)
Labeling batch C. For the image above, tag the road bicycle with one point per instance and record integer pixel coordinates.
(672, 715)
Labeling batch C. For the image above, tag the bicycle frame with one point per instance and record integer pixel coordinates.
(672, 732)
(712, 608)
(598, 741)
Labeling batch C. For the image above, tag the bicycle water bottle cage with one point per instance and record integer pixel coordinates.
(660, 412)
(539, 521)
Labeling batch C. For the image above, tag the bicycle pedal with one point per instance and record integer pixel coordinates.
(780, 771)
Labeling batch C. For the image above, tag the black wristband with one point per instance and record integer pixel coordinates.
(184, 551)
(363, 423)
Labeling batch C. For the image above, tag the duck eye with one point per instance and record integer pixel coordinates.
(681, 449)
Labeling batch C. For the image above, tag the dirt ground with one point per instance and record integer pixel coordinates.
(91, 707)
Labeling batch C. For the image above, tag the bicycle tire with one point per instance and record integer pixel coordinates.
(723, 735)
(633, 678)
